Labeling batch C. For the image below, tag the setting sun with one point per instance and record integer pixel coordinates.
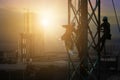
(46, 19)
(45, 22)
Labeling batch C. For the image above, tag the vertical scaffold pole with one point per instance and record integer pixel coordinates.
(84, 26)
(69, 1)
(99, 23)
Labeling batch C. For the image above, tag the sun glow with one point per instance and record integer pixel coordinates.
(46, 19)
(45, 22)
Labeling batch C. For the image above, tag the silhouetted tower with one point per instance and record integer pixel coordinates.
(84, 26)
(27, 38)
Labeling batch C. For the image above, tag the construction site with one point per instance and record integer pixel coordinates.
(87, 46)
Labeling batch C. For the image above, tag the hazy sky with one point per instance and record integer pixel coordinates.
(58, 4)
(36, 3)
(59, 8)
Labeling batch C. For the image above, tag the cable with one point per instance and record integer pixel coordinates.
(116, 15)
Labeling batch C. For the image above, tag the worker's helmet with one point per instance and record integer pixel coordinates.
(105, 18)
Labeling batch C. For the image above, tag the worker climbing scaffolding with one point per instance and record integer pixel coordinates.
(88, 36)
(105, 28)
(76, 40)
(66, 37)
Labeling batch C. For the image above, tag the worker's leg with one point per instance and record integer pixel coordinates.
(103, 42)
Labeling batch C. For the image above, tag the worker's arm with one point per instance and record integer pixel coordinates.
(102, 27)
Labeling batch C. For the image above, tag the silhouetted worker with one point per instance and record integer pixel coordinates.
(67, 37)
(105, 27)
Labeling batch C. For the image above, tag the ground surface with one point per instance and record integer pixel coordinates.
(51, 68)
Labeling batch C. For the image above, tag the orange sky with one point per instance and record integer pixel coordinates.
(57, 7)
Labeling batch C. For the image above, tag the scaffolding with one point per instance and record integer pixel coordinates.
(82, 33)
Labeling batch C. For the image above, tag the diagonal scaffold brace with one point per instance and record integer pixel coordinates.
(79, 38)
